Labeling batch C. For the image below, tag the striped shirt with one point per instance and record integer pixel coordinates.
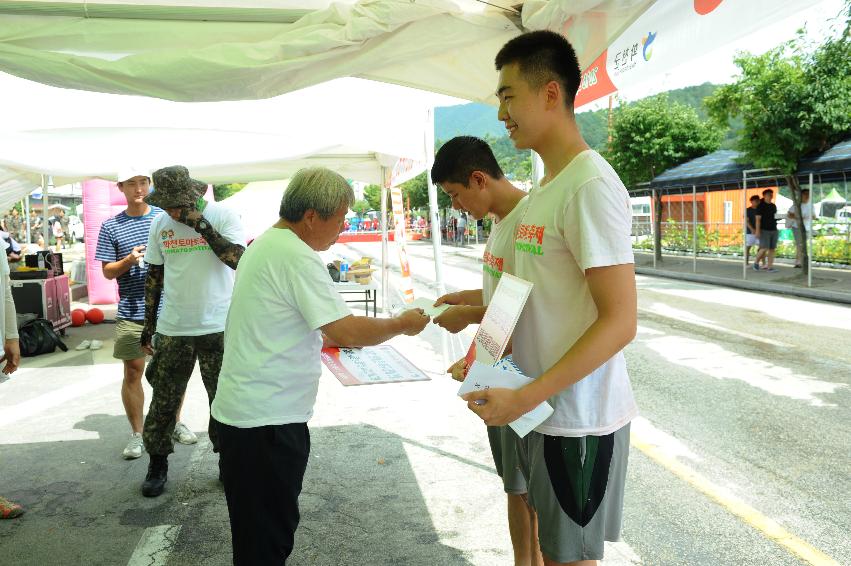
(118, 236)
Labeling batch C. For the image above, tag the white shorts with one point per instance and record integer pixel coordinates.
(751, 240)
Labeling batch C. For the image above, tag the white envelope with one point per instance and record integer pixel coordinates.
(428, 306)
(482, 376)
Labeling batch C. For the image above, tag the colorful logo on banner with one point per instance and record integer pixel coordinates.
(627, 58)
(703, 7)
(647, 42)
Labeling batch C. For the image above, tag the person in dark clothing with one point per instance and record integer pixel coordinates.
(766, 231)
(751, 238)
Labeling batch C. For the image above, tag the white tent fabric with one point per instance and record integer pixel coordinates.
(196, 50)
(259, 201)
(356, 127)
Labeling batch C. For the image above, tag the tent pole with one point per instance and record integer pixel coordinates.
(434, 227)
(27, 213)
(44, 198)
(385, 266)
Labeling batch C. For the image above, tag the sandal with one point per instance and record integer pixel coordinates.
(9, 510)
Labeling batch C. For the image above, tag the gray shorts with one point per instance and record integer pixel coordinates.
(503, 441)
(576, 487)
(768, 239)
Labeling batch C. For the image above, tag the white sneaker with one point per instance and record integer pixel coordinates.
(134, 447)
(183, 435)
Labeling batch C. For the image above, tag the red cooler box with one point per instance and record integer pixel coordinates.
(48, 298)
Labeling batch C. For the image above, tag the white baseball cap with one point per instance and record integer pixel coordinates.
(129, 172)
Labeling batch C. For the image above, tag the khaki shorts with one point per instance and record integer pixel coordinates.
(127, 335)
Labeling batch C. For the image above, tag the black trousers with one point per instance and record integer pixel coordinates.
(262, 470)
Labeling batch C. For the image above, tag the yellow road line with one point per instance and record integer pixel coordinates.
(751, 516)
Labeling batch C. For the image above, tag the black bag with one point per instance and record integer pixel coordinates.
(38, 337)
(334, 272)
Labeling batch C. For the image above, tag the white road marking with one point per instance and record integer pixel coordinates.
(40, 404)
(661, 309)
(713, 360)
(155, 546)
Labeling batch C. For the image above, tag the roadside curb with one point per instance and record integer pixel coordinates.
(817, 294)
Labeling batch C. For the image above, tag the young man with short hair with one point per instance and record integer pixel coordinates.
(466, 170)
(573, 243)
(750, 236)
(766, 231)
(120, 249)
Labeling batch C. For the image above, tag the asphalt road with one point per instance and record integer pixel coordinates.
(740, 456)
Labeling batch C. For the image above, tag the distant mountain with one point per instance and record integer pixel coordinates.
(472, 119)
(480, 119)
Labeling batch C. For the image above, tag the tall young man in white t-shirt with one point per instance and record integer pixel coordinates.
(192, 253)
(573, 244)
(466, 170)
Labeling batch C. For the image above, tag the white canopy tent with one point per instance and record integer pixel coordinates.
(196, 50)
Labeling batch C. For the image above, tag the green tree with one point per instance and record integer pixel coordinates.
(416, 190)
(794, 100)
(221, 192)
(654, 134)
(372, 194)
(360, 207)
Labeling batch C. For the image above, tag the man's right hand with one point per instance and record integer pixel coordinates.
(137, 254)
(413, 321)
(454, 319)
(455, 298)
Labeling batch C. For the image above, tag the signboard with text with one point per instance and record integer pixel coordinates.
(374, 364)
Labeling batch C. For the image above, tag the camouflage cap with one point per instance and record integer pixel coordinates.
(173, 187)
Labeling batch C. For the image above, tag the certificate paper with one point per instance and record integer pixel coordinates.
(500, 318)
(374, 364)
(482, 377)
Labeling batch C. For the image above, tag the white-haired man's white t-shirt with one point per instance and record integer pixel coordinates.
(283, 295)
(579, 220)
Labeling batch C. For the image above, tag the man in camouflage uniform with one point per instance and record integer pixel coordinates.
(192, 253)
(14, 224)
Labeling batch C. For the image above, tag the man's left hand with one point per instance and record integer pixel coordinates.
(498, 406)
(185, 215)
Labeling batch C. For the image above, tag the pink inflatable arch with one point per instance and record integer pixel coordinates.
(102, 200)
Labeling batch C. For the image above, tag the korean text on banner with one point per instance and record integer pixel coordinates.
(376, 364)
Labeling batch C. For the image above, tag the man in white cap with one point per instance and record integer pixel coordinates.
(121, 247)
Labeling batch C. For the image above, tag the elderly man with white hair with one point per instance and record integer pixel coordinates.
(283, 302)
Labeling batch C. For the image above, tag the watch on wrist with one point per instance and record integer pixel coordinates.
(202, 224)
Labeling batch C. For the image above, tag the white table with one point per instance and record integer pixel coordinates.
(368, 291)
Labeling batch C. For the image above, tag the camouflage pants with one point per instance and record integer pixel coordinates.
(168, 373)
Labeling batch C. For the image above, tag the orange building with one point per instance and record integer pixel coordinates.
(719, 212)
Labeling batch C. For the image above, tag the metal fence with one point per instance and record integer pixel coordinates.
(830, 241)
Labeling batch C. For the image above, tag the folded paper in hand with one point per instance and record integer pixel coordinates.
(506, 375)
(428, 306)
